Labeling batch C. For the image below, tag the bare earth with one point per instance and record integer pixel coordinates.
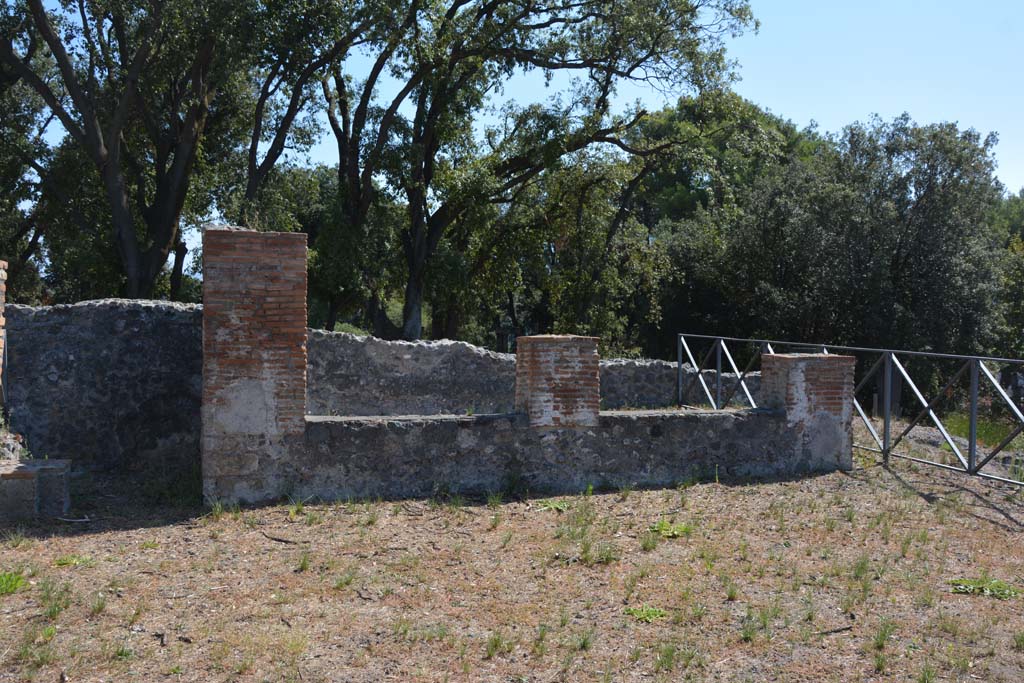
(833, 578)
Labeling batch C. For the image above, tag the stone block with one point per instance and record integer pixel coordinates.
(53, 487)
(34, 488)
(18, 499)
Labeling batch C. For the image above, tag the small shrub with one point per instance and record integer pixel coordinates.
(666, 658)
(583, 641)
(346, 578)
(553, 504)
(665, 529)
(55, 599)
(15, 538)
(73, 561)
(539, 647)
(648, 541)
(605, 552)
(98, 604)
(303, 563)
(885, 630)
(497, 644)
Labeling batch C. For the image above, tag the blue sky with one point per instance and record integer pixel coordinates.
(838, 62)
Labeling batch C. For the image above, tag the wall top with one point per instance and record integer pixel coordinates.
(556, 338)
(798, 356)
(219, 233)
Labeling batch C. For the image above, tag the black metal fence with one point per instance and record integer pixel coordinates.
(957, 384)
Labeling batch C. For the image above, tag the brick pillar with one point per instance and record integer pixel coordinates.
(558, 380)
(816, 393)
(254, 357)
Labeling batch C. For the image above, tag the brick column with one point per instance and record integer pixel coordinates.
(254, 357)
(558, 380)
(816, 393)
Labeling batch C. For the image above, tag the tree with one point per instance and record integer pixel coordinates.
(135, 86)
(878, 236)
(451, 56)
(23, 181)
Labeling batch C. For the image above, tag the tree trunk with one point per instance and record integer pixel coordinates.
(124, 232)
(332, 313)
(412, 309)
(382, 327)
(180, 251)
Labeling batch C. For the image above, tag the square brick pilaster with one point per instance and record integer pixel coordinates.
(254, 355)
(816, 393)
(558, 380)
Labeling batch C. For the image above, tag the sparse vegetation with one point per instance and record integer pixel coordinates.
(562, 591)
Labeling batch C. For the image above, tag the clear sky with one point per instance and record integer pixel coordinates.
(836, 62)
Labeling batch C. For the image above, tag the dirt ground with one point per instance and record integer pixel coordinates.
(833, 578)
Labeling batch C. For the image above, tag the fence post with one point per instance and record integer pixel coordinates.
(718, 374)
(887, 406)
(972, 453)
(679, 369)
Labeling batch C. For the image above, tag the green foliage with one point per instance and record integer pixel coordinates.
(646, 614)
(557, 215)
(994, 588)
(10, 582)
(557, 505)
(666, 529)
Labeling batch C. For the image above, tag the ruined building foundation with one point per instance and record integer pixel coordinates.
(258, 444)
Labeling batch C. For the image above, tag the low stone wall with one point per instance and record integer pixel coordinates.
(116, 383)
(356, 457)
(353, 375)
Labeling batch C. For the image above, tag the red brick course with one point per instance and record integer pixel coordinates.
(815, 382)
(254, 320)
(558, 381)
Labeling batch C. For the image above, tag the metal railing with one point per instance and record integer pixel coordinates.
(889, 372)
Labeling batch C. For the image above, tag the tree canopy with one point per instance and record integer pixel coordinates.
(453, 211)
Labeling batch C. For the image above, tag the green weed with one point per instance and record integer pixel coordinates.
(985, 585)
(10, 582)
(646, 614)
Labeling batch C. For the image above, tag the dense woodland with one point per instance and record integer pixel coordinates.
(455, 211)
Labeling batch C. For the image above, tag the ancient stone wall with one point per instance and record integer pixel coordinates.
(117, 383)
(354, 375)
(357, 457)
(112, 384)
